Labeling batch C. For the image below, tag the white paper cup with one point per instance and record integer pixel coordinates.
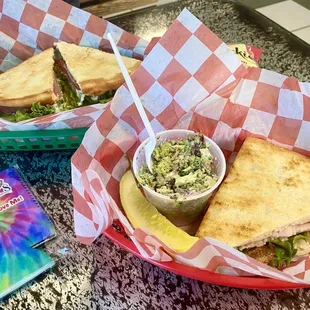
(191, 207)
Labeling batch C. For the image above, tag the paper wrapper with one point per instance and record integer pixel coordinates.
(29, 27)
(249, 55)
(189, 80)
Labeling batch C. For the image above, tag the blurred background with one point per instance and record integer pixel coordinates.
(293, 15)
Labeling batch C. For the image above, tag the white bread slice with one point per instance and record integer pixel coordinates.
(31, 81)
(266, 191)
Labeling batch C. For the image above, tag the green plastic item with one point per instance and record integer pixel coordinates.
(41, 140)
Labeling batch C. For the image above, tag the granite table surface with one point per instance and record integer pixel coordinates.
(103, 276)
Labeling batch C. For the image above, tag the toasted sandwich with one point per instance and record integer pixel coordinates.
(33, 81)
(262, 207)
(89, 75)
(60, 79)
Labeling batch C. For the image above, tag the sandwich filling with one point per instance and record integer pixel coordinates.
(262, 206)
(71, 90)
(282, 248)
(73, 98)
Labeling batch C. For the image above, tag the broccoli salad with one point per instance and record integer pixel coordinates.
(180, 168)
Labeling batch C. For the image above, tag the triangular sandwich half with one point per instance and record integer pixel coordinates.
(263, 206)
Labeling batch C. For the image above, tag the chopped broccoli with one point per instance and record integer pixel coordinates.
(180, 167)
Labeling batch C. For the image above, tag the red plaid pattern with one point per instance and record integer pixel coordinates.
(28, 27)
(190, 79)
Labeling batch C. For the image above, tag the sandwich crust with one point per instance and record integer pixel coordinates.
(29, 82)
(93, 70)
(266, 191)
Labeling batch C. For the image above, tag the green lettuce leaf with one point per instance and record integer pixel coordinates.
(104, 98)
(285, 250)
(36, 110)
(296, 238)
(8, 117)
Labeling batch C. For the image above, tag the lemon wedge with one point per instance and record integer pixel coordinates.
(143, 214)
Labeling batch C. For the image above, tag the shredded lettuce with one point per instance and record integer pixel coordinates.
(285, 250)
(36, 110)
(8, 117)
(71, 99)
(106, 97)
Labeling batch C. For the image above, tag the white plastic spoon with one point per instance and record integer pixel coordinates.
(150, 146)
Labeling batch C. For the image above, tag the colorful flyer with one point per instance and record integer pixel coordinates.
(21, 217)
(20, 265)
(23, 225)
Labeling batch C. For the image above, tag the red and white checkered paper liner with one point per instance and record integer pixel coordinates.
(252, 51)
(31, 26)
(189, 80)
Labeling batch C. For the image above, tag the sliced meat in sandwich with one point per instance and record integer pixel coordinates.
(89, 75)
(29, 86)
(262, 208)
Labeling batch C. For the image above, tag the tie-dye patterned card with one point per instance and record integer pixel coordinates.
(19, 265)
(21, 216)
(23, 225)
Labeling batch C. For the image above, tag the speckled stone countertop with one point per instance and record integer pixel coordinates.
(103, 276)
(233, 23)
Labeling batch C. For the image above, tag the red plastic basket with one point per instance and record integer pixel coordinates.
(203, 275)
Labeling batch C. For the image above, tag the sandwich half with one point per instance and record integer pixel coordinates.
(262, 208)
(59, 80)
(89, 75)
(29, 89)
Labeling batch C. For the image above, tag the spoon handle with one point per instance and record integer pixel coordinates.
(132, 89)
